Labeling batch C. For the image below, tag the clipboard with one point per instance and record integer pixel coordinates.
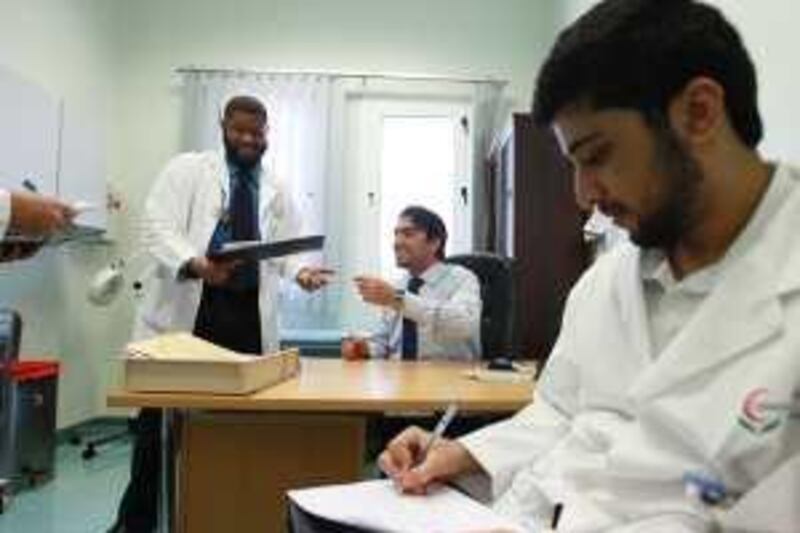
(260, 250)
(73, 232)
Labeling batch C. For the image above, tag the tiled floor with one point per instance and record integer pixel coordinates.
(82, 498)
(83, 495)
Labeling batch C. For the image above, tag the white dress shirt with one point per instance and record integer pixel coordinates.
(447, 311)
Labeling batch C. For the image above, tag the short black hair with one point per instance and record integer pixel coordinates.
(429, 221)
(640, 54)
(245, 104)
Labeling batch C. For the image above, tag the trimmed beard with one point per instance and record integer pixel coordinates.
(244, 163)
(670, 222)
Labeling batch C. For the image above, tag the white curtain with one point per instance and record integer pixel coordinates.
(299, 108)
(308, 142)
(489, 108)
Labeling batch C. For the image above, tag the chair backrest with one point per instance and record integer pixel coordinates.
(496, 276)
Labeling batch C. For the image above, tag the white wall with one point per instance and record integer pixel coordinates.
(64, 46)
(769, 31)
(770, 34)
(116, 58)
(503, 38)
(572, 9)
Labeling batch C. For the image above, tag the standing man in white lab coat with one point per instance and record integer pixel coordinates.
(679, 352)
(198, 203)
(201, 201)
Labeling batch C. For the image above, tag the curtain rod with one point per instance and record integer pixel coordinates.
(332, 74)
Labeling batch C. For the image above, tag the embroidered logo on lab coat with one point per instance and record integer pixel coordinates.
(755, 416)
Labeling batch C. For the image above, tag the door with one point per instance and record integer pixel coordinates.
(400, 152)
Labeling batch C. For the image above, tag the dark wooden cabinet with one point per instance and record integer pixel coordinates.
(534, 218)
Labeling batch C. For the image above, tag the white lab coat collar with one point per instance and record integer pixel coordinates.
(743, 310)
(656, 270)
(267, 188)
(633, 311)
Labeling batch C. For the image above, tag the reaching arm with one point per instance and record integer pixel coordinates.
(33, 215)
(503, 448)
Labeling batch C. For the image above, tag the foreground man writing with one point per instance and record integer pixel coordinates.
(678, 349)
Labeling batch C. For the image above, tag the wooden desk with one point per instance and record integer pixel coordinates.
(235, 457)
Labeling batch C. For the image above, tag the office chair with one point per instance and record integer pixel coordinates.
(496, 277)
(91, 445)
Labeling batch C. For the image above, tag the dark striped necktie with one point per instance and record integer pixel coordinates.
(410, 338)
(244, 227)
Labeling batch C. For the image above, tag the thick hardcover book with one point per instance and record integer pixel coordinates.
(181, 362)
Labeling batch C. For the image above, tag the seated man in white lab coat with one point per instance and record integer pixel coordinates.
(434, 312)
(29, 215)
(677, 358)
(198, 203)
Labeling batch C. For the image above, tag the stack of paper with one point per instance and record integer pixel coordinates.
(377, 505)
(180, 362)
(520, 374)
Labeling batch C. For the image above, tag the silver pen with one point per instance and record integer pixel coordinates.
(440, 428)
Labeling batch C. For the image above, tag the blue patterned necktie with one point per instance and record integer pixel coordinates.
(410, 338)
(244, 227)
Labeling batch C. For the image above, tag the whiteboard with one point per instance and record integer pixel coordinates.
(81, 174)
(56, 146)
(29, 122)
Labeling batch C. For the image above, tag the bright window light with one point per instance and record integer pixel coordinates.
(417, 167)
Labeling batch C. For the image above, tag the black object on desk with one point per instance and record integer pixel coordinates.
(501, 363)
(259, 250)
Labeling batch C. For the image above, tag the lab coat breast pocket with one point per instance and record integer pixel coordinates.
(760, 431)
(166, 300)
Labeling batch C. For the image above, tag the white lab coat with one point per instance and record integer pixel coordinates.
(775, 497)
(180, 216)
(612, 430)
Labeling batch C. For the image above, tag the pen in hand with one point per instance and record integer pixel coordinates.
(557, 510)
(438, 431)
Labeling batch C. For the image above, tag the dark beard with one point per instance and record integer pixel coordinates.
(233, 156)
(665, 227)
